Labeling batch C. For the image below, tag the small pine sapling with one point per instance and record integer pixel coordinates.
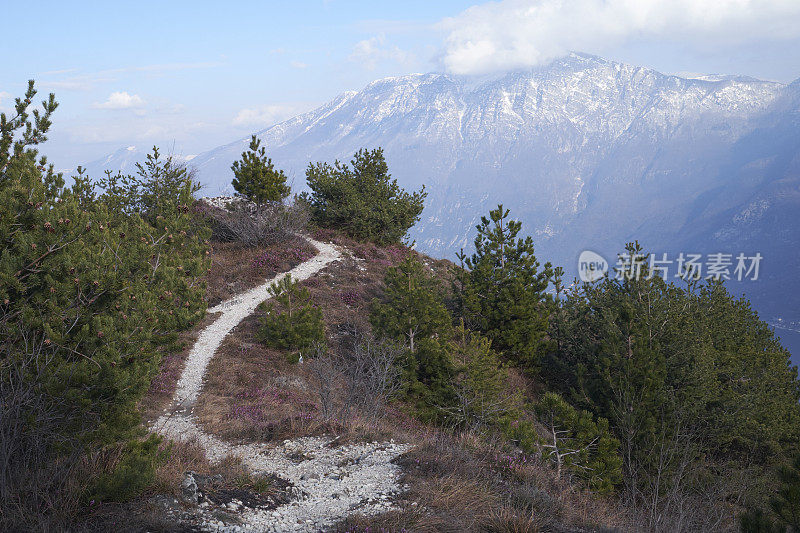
(291, 320)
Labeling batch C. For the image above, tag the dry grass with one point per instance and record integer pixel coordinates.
(138, 516)
(229, 474)
(221, 483)
(236, 267)
(464, 482)
(183, 456)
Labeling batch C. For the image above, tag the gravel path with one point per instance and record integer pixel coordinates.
(333, 482)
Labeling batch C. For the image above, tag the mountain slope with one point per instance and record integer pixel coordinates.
(588, 153)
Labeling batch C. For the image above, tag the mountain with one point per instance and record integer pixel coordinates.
(124, 160)
(588, 153)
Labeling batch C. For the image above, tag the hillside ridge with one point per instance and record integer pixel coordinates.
(325, 490)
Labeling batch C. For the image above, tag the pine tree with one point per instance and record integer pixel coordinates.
(412, 304)
(786, 504)
(685, 375)
(256, 177)
(756, 521)
(362, 199)
(90, 283)
(94, 289)
(502, 292)
(34, 132)
(573, 440)
(478, 382)
(412, 311)
(428, 375)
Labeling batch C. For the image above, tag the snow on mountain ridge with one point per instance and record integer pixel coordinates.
(450, 131)
(595, 99)
(597, 96)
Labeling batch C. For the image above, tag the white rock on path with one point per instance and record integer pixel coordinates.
(334, 482)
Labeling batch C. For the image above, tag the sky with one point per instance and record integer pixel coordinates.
(190, 76)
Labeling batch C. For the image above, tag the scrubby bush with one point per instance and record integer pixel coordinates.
(291, 321)
(372, 373)
(362, 199)
(37, 484)
(133, 472)
(252, 225)
(359, 380)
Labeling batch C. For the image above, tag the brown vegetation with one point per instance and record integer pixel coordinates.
(155, 510)
(237, 267)
(465, 482)
(456, 481)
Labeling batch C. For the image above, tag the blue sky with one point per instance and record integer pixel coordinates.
(193, 75)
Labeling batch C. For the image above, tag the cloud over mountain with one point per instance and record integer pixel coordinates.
(518, 33)
(373, 51)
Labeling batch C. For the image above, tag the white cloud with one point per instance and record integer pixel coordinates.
(370, 52)
(121, 100)
(170, 67)
(518, 33)
(59, 72)
(298, 64)
(267, 115)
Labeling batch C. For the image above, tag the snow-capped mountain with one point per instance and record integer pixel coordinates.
(588, 153)
(546, 127)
